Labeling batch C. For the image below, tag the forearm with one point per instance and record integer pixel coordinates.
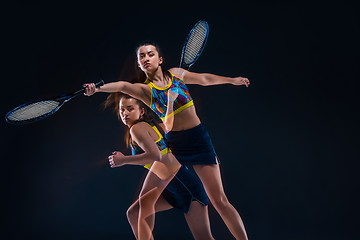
(111, 87)
(142, 159)
(209, 79)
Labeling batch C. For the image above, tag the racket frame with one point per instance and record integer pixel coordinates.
(183, 64)
(62, 99)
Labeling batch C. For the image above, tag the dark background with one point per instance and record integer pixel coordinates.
(288, 144)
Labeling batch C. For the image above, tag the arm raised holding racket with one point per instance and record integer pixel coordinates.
(136, 90)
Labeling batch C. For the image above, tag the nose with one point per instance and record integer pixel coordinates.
(124, 113)
(146, 58)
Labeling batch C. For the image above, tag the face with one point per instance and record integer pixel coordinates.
(130, 111)
(148, 58)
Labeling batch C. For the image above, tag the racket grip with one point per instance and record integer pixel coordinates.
(99, 84)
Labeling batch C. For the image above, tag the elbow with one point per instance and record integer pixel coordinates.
(157, 156)
(205, 81)
(154, 156)
(120, 86)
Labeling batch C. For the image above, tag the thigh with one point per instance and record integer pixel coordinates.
(157, 179)
(211, 178)
(197, 213)
(198, 221)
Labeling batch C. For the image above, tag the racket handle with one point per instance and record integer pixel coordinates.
(81, 91)
(99, 84)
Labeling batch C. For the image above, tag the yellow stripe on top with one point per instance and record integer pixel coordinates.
(160, 142)
(179, 109)
(158, 102)
(159, 88)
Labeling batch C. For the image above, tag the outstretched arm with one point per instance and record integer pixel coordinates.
(136, 90)
(207, 79)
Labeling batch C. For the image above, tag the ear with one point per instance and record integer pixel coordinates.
(142, 112)
(160, 60)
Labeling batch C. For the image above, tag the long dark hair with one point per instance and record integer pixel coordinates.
(149, 116)
(140, 75)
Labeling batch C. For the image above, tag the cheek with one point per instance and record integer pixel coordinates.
(134, 115)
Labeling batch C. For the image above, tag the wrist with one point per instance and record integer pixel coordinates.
(240, 81)
(236, 81)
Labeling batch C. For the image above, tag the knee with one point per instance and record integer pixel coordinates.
(145, 205)
(220, 201)
(132, 213)
(147, 200)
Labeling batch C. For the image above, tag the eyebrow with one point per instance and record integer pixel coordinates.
(142, 53)
(122, 106)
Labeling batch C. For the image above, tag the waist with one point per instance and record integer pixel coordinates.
(186, 119)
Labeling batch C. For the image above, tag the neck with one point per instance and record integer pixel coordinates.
(157, 75)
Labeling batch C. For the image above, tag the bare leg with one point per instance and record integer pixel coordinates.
(133, 214)
(159, 176)
(211, 178)
(198, 221)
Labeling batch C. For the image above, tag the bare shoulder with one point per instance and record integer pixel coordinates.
(139, 128)
(178, 72)
(142, 133)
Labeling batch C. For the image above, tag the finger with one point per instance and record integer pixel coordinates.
(86, 89)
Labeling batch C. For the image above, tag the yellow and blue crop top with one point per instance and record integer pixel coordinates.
(159, 97)
(160, 142)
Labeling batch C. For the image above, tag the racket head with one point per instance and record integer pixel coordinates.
(194, 44)
(32, 111)
(36, 110)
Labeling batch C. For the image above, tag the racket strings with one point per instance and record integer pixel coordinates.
(195, 43)
(33, 110)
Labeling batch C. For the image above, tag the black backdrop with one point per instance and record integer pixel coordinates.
(288, 144)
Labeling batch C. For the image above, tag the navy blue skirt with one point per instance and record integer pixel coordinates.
(184, 188)
(192, 146)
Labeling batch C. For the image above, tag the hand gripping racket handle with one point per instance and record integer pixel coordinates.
(81, 91)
